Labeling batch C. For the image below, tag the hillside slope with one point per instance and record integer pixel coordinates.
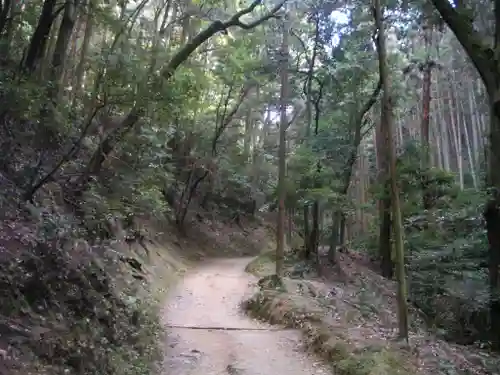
(348, 317)
(70, 305)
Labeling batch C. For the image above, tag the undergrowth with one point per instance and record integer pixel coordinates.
(284, 308)
(70, 307)
(75, 318)
(350, 320)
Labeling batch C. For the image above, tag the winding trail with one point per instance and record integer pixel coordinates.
(208, 335)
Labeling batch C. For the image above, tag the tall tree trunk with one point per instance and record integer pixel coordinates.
(6, 10)
(247, 139)
(456, 131)
(437, 134)
(384, 204)
(39, 38)
(342, 229)
(4, 14)
(307, 232)
(280, 232)
(475, 126)
(289, 225)
(71, 55)
(426, 106)
(61, 50)
(80, 68)
(492, 216)
(387, 120)
(11, 26)
(468, 147)
(334, 236)
(309, 107)
(314, 239)
(443, 127)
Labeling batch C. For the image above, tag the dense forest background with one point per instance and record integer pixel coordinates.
(363, 125)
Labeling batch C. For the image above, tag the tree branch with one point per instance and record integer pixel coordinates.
(235, 20)
(296, 112)
(221, 117)
(229, 117)
(370, 102)
(368, 129)
(358, 135)
(302, 44)
(214, 28)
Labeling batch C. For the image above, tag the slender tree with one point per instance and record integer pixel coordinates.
(280, 240)
(387, 121)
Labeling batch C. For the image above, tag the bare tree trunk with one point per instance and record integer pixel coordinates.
(308, 232)
(471, 162)
(455, 129)
(315, 232)
(437, 136)
(444, 134)
(5, 9)
(280, 232)
(387, 120)
(6, 19)
(475, 125)
(61, 50)
(384, 203)
(289, 226)
(80, 69)
(426, 106)
(40, 37)
(248, 134)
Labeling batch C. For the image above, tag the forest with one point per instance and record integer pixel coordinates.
(367, 129)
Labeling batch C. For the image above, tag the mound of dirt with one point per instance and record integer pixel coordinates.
(350, 320)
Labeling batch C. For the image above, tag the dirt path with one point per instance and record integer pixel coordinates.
(209, 297)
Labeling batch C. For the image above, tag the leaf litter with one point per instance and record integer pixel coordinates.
(350, 319)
